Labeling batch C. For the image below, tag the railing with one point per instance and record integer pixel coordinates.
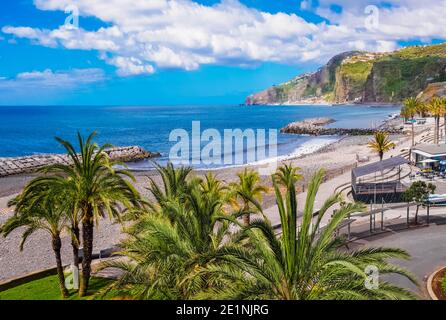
(396, 187)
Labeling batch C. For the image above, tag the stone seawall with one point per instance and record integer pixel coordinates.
(336, 131)
(315, 127)
(28, 164)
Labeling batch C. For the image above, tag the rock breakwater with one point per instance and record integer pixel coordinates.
(315, 127)
(29, 164)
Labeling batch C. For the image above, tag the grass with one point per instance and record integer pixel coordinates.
(283, 90)
(48, 289)
(415, 52)
(358, 71)
(443, 285)
(400, 74)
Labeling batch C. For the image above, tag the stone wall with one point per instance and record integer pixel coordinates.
(19, 165)
(315, 127)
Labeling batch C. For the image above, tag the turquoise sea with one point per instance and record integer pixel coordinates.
(31, 130)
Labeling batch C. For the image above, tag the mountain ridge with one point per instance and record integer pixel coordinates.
(362, 77)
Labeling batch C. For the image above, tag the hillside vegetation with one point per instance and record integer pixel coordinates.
(362, 77)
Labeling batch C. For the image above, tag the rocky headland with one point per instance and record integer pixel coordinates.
(358, 77)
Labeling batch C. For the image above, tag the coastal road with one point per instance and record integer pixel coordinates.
(427, 247)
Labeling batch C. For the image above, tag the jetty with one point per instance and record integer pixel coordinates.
(316, 127)
(29, 164)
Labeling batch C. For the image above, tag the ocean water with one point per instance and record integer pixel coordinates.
(31, 130)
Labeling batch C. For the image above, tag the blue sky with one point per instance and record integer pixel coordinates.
(188, 52)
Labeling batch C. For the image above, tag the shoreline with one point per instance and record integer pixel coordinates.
(328, 104)
(13, 184)
(336, 158)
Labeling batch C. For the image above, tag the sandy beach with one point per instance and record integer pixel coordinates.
(337, 158)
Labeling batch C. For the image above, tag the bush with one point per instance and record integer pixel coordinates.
(443, 284)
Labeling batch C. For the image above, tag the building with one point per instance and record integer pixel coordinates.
(379, 181)
(428, 155)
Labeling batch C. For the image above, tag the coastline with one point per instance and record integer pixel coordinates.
(318, 145)
(336, 157)
(327, 104)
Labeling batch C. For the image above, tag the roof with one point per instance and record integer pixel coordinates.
(430, 150)
(379, 166)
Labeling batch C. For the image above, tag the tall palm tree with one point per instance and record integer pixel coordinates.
(58, 184)
(44, 214)
(406, 113)
(248, 190)
(306, 264)
(422, 109)
(98, 190)
(381, 144)
(411, 106)
(167, 250)
(436, 109)
(174, 182)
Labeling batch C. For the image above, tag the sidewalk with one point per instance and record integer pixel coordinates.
(328, 188)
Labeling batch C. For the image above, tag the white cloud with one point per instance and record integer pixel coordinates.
(49, 80)
(130, 66)
(147, 34)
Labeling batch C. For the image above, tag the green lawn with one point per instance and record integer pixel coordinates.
(443, 285)
(48, 289)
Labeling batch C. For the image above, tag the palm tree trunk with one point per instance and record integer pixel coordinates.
(444, 118)
(437, 129)
(57, 245)
(75, 240)
(416, 215)
(87, 240)
(246, 216)
(381, 156)
(246, 219)
(413, 134)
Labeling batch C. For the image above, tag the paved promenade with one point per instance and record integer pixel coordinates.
(427, 248)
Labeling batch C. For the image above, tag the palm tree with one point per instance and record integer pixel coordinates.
(43, 214)
(59, 184)
(174, 183)
(436, 109)
(406, 113)
(306, 264)
(167, 249)
(381, 144)
(422, 109)
(411, 106)
(96, 190)
(249, 191)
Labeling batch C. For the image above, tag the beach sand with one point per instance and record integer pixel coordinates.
(337, 158)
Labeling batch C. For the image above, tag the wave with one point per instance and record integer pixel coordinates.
(306, 148)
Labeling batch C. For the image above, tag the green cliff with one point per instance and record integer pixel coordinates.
(362, 77)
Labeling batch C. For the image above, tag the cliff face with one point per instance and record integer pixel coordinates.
(361, 77)
(434, 89)
(309, 87)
